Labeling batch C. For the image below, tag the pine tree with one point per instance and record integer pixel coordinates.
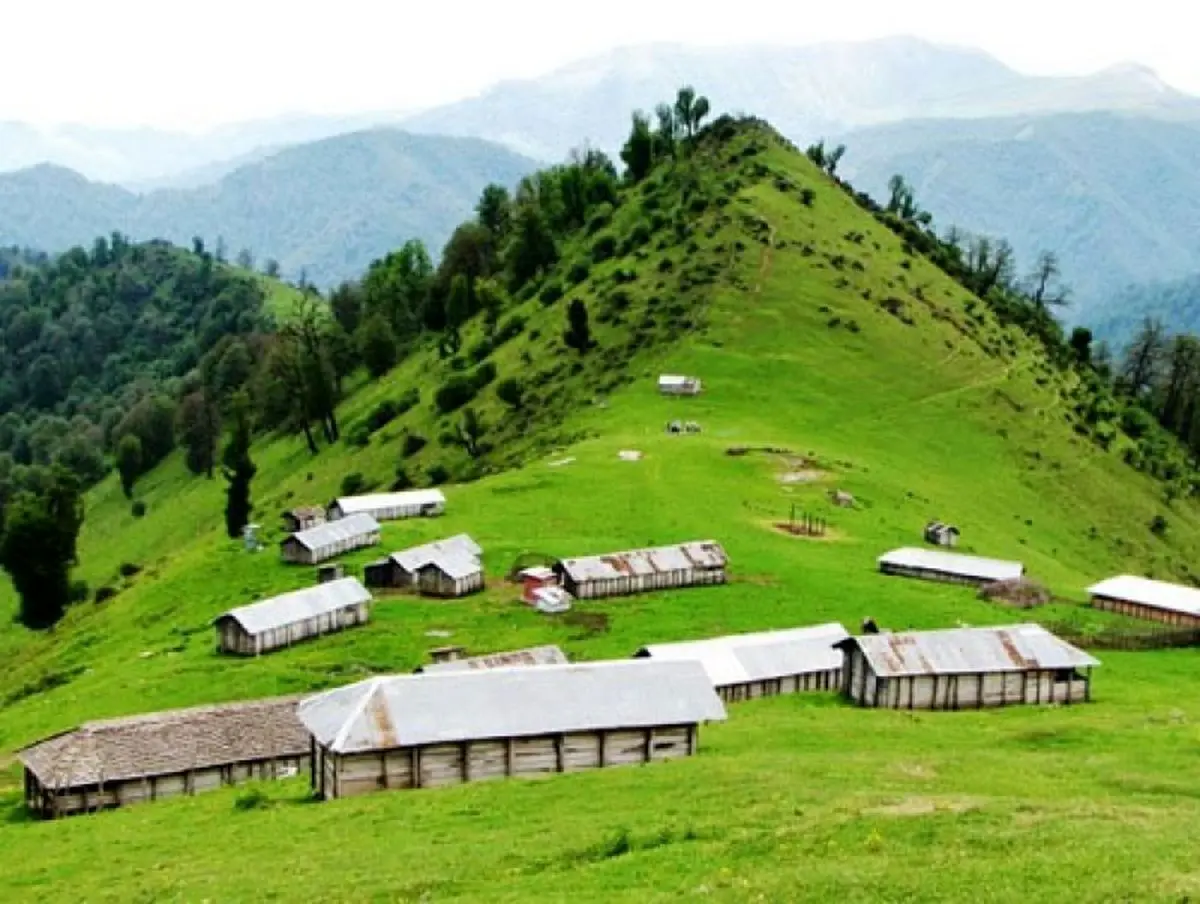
(239, 470)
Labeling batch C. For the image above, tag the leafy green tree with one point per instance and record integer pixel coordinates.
(494, 210)
(129, 462)
(1081, 344)
(245, 259)
(638, 152)
(271, 268)
(152, 421)
(238, 469)
(578, 334)
(1045, 290)
(511, 392)
(83, 457)
(533, 248)
(346, 304)
(668, 132)
(471, 430)
(377, 343)
(198, 426)
(38, 547)
(397, 286)
(690, 110)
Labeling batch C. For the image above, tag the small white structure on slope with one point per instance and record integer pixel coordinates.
(676, 384)
(390, 506)
(291, 617)
(1158, 601)
(308, 547)
(951, 567)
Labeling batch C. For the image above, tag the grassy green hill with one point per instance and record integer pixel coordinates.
(814, 330)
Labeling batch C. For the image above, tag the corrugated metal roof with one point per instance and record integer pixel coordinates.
(534, 656)
(374, 501)
(674, 380)
(460, 545)
(299, 605)
(953, 563)
(740, 658)
(682, 557)
(1146, 592)
(332, 532)
(404, 710)
(168, 742)
(454, 564)
(1014, 648)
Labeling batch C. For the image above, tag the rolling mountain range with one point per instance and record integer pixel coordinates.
(326, 209)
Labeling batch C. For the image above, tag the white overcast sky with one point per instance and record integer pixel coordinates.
(190, 65)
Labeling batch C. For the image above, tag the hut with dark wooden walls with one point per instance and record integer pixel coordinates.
(303, 517)
(748, 666)
(118, 762)
(1137, 597)
(293, 617)
(309, 547)
(948, 567)
(510, 659)
(424, 731)
(965, 668)
(390, 506)
(693, 564)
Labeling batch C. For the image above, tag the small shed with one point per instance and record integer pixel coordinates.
(308, 547)
(327, 573)
(534, 579)
(941, 534)
(965, 668)
(693, 564)
(390, 506)
(292, 617)
(448, 653)
(422, 731)
(763, 664)
(546, 655)
(551, 600)
(380, 573)
(1159, 601)
(951, 567)
(450, 575)
(676, 384)
(303, 517)
(407, 564)
(118, 762)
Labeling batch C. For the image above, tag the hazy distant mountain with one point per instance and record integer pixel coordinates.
(1116, 196)
(328, 208)
(804, 91)
(150, 157)
(1176, 303)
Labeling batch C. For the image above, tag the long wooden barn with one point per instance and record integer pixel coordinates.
(118, 762)
(390, 506)
(292, 617)
(510, 659)
(693, 564)
(950, 567)
(1172, 604)
(308, 547)
(965, 668)
(457, 568)
(424, 731)
(747, 666)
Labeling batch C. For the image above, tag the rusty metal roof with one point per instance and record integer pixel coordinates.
(298, 605)
(741, 658)
(1014, 648)
(953, 563)
(407, 710)
(546, 655)
(331, 532)
(658, 560)
(168, 742)
(1154, 594)
(460, 546)
(373, 502)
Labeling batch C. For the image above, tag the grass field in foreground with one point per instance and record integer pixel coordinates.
(799, 798)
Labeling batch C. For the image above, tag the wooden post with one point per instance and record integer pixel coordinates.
(691, 740)
(648, 745)
(383, 776)
(603, 747)
(312, 763)
(508, 757)
(416, 766)
(979, 692)
(464, 751)
(558, 752)
(1087, 688)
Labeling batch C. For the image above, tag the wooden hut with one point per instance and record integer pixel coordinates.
(965, 668)
(407, 564)
(747, 666)
(331, 572)
(1159, 601)
(303, 517)
(692, 564)
(941, 534)
(546, 655)
(676, 384)
(390, 506)
(118, 762)
(950, 567)
(450, 575)
(421, 731)
(292, 617)
(308, 547)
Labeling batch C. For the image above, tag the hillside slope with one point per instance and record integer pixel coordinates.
(813, 330)
(326, 209)
(1114, 196)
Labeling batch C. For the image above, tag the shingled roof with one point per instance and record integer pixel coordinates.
(167, 743)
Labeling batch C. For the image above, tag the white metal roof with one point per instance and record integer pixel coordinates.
(1013, 648)
(681, 557)
(454, 564)
(299, 605)
(375, 501)
(674, 380)
(1146, 592)
(460, 545)
(534, 656)
(953, 563)
(332, 532)
(740, 658)
(537, 573)
(404, 710)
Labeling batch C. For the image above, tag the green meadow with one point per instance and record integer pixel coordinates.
(939, 413)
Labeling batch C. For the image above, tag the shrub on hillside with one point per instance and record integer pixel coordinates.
(382, 415)
(453, 394)
(129, 569)
(604, 247)
(103, 594)
(402, 481)
(138, 509)
(358, 436)
(551, 293)
(601, 218)
(413, 443)
(409, 399)
(510, 392)
(79, 591)
(509, 329)
(578, 273)
(437, 475)
(480, 350)
(353, 484)
(1158, 526)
